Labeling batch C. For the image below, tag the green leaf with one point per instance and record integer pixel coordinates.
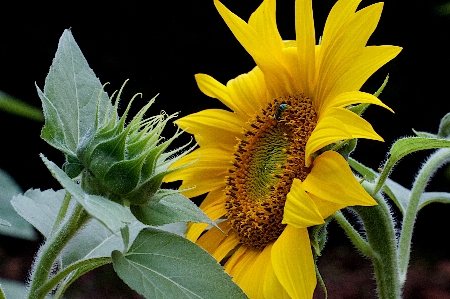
(15, 106)
(15, 289)
(40, 208)
(4, 223)
(170, 208)
(407, 146)
(399, 194)
(70, 97)
(444, 127)
(163, 265)
(113, 215)
(429, 197)
(19, 228)
(424, 134)
(96, 241)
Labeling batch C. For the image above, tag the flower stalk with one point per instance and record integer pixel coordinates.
(380, 232)
(434, 162)
(51, 249)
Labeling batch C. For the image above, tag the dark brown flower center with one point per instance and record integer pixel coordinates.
(266, 163)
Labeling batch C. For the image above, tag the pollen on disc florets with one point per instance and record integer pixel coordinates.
(265, 164)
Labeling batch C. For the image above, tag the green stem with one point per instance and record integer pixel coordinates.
(380, 232)
(55, 280)
(51, 249)
(354, 236)
(436, 160)
(62, 211)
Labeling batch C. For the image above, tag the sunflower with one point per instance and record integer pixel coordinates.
(263, 163)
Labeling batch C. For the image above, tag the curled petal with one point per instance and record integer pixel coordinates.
(331, 179)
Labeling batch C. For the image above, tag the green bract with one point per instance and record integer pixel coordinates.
(125, 163)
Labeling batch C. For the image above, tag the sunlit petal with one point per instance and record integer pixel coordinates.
(346, 42)
(264, 22)
(300, 210)
(341, 186)
(354, 97)
(214, 89)
(272, 287)
(293, 262)
(366, 63)
(306, 41)
(213, 126)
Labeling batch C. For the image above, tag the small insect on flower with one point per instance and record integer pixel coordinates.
(280, 110)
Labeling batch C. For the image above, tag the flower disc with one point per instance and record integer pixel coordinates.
(266, 163)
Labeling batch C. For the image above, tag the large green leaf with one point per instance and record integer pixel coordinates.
(40, 208)
(171, 207)
(18, 228)
(70, 97)
(95, 240)
(407, 146)
(163, 265)
(113, 215)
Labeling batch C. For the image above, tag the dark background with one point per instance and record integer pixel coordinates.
(160, 45)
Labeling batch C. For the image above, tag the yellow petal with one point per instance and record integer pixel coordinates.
(276, 74)
(331, 179)
(327, 131)
(326, 208)
(272, 287)
(214, 89)
(352, 38)
(300, 210)
(339, 14)
(218, 243)
(306, 41)
(367, 62)
(356, 125)
(353, 97)
(194, 230)
(253, 278)
(213, 126)
(249, 91)
(338, 124)
(207, 171)
(240, 262)
(293, 262)
(213, 206)
(264, 22)
(247, 36)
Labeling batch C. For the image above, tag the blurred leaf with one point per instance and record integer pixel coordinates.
(407, 146)
(163, 265)
(171, 207)
(15, 289)
(4, 223)
(443, 9)
(70, 97)
(19, 227)
(113, 215)
(40, 208)
(17, 107)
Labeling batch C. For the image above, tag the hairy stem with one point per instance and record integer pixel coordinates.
(52, 248)
(436, 160)
(380, 232)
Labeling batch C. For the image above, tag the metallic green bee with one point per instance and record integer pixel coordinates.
(280, 110)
